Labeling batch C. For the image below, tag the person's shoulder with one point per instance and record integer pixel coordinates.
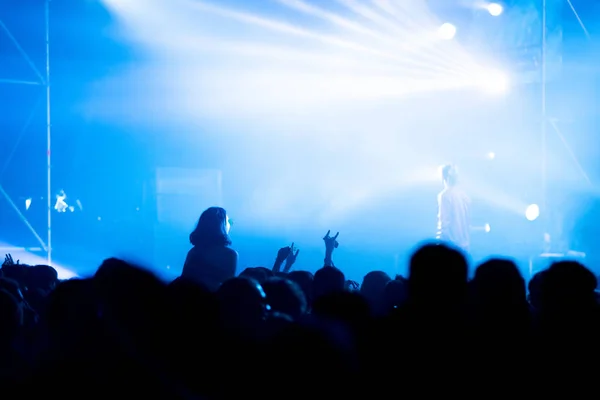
(228, 252)
(221, 251)
(194, 251)
(230, 256)
(444, 194)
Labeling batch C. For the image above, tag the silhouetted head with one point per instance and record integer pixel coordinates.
(373, 290)
(349, 308)
(568, 285)
(212, 229)
(328, 280)
(242, 302)
(129, 295)
(285, 296)
(534, 288)
(438, 274)
(498, 283)
(265, 271)
(374, 282)
(258, 274)
(304, 280)
(43, 277)
(449, 175)
(395, 294)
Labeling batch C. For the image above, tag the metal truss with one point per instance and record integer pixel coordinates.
(550, 124)
(43, 80)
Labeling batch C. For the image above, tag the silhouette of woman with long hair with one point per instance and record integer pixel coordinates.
(211, 261)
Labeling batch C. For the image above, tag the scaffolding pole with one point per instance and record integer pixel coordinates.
(48, 135)
(548, 122)
(544, 124)
(44, 80)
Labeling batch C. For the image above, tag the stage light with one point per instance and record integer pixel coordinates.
(532, 212)
(494, 82)
(27, 204)
(487, 228)
(495, 9)
(447, 31)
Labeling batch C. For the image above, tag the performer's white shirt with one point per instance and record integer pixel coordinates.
(61, 204)
(454, 217)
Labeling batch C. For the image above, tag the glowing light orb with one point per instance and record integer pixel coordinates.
(447, 31)
(532, 212)
(495, 9)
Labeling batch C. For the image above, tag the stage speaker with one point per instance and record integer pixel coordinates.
(181, 196)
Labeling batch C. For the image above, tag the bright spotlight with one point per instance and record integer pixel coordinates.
(494, 82)
(27, 204)
(495, 9)
(491, 155)
(447, 31)
(532, 212)
(487, 228)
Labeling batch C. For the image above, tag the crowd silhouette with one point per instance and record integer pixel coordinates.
(284, 332)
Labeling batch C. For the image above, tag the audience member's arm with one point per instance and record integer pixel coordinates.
(291, 259)
(8, 260)
(331, 244)
(277, 266)
(282, 255)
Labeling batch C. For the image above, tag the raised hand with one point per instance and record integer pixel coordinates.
(285, 254)
(291, 258)
(331, 241)
(8, 260)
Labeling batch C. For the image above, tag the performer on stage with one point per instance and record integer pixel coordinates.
(454, 211)
(61, 202)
